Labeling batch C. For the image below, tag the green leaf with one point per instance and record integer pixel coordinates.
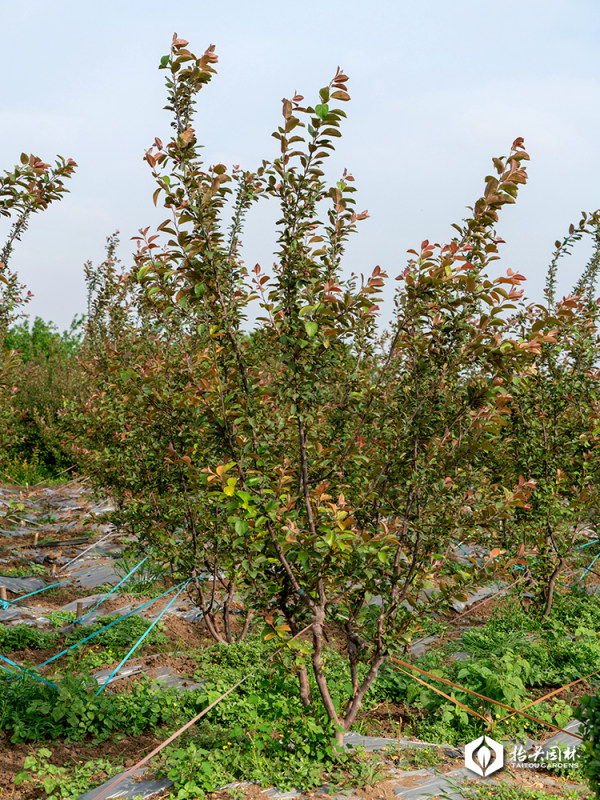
(311, 328)
(322, 110)
(21, 777)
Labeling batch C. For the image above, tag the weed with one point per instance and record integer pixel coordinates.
(91, 658)
(123, 634)
(33, 712)
(508, 657)
(21, 637)
(507, 791)
(65, 616)
(144, 579)
(25, 570)
(63, 783)
(26, 470)
(589, 714)
(197, 769)
(420, 757)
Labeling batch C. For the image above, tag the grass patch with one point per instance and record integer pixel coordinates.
(513, 658)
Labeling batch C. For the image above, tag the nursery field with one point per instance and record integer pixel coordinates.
(258, 538)
(69, 573)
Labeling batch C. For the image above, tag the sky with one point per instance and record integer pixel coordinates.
(438, 88)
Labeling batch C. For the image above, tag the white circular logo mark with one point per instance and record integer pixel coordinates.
(484, 756)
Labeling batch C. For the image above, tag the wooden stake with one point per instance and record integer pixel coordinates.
(53, 573)
(35, 538)
(3, 593)
(79, 612)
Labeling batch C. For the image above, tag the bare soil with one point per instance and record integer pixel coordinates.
(386, 719)
(129, 749)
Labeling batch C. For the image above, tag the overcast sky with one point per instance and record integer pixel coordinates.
(438, 88)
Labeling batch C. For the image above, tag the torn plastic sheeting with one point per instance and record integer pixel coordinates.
(127, 672)
(96, 575)
(120, 583)
(166, 676)
(4, 604)
(91, 547)
(17, 585)
(64, 542)
(128, 787)
(17, 615)
(141, 639)
(85, 602)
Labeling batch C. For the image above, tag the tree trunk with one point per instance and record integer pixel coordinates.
(549, 592)
(353, 706)
(317, 664)
(305, 696)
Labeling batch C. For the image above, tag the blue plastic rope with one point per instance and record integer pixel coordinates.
(43, 589)
(587, 544)
(462, 548)
(114, 589)
(585, 572)
(7, 603)
(114, 622)
(27, 672)
(141, 639)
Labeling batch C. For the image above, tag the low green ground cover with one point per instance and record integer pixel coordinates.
(261, 732)
(513, 658)
(507, 791)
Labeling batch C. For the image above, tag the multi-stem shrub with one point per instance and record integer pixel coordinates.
(47, 375)
(30, 187)
(316, 468)
(552, 430)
